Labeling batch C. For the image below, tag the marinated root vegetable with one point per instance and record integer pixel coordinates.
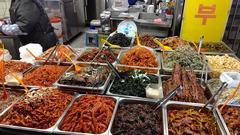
(231, 116)
(89, 114)
(89, 55)
(137, 119)
(139, 56)
(39, 109)
(191, 122)
(44, 75)
(14, 66)
(120, 39)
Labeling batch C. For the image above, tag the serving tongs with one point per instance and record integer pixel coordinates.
(164, 100)
(218, 93)
(53, 53)
(112, 67)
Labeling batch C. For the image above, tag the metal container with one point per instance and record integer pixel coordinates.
(87, 49)
(77, 51)
(88, 89)
(184, 105)
(133, 97)
(168, 70)
(207, 92)
(215, 73)
(57, 129)
(132, 101)
(157, 55)
(28, 129)
(228, 49)
(221, 117)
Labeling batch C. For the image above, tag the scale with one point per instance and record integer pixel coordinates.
(128, 28)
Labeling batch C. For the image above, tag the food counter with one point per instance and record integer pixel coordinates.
(115, 91)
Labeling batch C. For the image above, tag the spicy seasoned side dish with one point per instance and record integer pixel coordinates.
(39, 109)
(192, 89)
(191, 122)
(59, 53)
(14, 66)
(139, 56)
(137, 119)
(89, 55)
(174, 42)
(89, 114)
(231, 116)
(147, 40)
(44, 75)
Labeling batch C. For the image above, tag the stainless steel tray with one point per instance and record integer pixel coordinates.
(222, 119)
(133, 97)
(77, 50)
(57, 128)
(169, 70)
(123, 52)
(179, 105)
(49, 130)
(132, 101)
(87, 49)
(228, 50)
(99, 90)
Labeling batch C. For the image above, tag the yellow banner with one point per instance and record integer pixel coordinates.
(206, 18)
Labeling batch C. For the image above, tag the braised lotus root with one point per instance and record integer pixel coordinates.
(89, 114)
(39, 109)
(44, 75)
(139, 56)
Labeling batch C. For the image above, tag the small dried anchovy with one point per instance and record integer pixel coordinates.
(186, 57)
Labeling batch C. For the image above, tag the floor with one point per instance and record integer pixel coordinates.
(79, 42)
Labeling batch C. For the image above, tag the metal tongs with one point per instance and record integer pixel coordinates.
(111, 66)
(168, 97)
(218, 93)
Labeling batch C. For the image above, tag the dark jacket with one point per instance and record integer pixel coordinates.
(31, 18)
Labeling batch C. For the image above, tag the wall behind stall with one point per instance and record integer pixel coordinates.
(4, 8)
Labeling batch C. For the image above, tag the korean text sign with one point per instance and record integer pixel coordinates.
(206, 18)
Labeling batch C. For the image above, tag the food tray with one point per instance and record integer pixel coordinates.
(207, 92)
(57, 128)
(99, 90)
(123, 52)
(86, 49)
(77, 50)
(124, 48)
(222, 119)
(167, 70)
(228, 49)
(133, 97)
(130, 101)
(214, 73)
(33, 130)
(179, 105)
(21, 91)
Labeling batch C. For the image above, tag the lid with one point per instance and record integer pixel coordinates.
(128, 28)
(55, 19)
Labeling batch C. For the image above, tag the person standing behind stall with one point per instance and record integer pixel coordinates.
(29, 21)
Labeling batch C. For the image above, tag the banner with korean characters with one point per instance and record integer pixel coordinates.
(206, 18)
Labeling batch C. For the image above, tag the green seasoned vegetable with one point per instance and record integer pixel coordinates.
(133, 84)
(186, 57)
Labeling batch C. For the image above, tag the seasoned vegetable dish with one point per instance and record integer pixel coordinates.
(12, 97)
(89, 114)
(39, 109)
(44, 75)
